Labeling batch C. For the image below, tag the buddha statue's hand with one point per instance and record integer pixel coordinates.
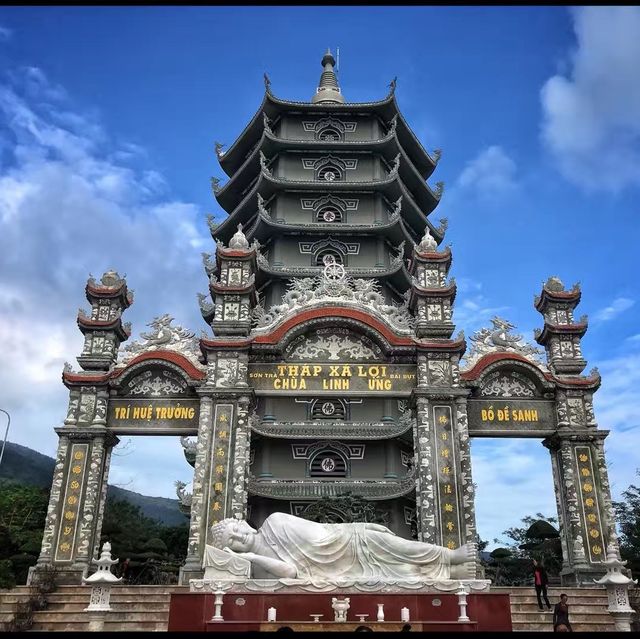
(245, 555)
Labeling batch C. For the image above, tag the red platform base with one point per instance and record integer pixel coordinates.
(248, 611)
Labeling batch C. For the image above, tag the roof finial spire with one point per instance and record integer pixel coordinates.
(328, 89)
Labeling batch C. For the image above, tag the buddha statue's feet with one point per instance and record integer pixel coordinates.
(466, 552)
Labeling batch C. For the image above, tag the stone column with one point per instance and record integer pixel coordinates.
(192, 568)
(388, 410)
(110, 443)
(605, 490)
(265, 459)
(425, 474)
(469, 533)
(240, 467)
(390, 460)
(72, 526)
(53, 510)
(582, 492)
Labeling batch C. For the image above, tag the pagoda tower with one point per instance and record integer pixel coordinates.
(328, 267)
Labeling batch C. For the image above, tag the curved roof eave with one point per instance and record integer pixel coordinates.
(387, 107)
(323, 228)
(274, 182)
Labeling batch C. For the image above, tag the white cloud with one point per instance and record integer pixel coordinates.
(5, 34)
(472, 309)
(70, 204)
(616, 408)
(618, 306)
(490, 174)
(591, 119)
(514, 480)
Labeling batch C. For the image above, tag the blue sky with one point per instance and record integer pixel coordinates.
(108, 117)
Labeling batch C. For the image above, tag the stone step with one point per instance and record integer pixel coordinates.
(542, 617)
(46, 616)
(575, 608)
(132, 606)
(79, 597)
(577, 627)
(79, 626)
(142, 590)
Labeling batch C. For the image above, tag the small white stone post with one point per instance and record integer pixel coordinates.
(271, 614)
(217, 602)
(101, 582)
(617, 586)
(404, 615)
(462, 603)
(380, 616)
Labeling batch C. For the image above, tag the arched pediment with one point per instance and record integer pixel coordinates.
(333, 344)
(509, 376)
(156, 375)
(360, 326)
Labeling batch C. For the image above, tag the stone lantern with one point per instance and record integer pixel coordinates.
(617, 585)
(101, 582)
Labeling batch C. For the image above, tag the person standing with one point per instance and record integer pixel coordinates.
(561, 616)
(540, 580)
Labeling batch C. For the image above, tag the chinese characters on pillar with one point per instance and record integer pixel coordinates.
(589, 502)
(447, 479)
(71, 502)
(220, 451)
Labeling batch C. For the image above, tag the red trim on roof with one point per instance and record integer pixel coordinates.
(75, 378)
(334, 311)
(487, 360)
(213, 343)
(106, 290)
(168, 356)
(572, 381)
(224, 288)
(235, 252)
(448, 345)
(87, 321)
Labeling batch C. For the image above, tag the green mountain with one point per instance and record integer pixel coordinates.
(25, 465)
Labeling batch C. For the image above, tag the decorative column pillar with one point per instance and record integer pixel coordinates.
(390, 460)
(240, 467)
(265, 459)
(469, 533)
(111, 441)
(425, 474)
(192, 568)
(585, 529)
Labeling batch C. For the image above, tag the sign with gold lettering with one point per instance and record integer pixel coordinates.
(589, 502)
(77, 461)
(488, 416)
(311, 379)
(126, 416)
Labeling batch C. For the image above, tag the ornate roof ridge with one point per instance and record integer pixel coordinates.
(315, 271)
(317, 488)
(330, 105)
(337, 227)
(327, 429)
(292, 142)
(389, 136)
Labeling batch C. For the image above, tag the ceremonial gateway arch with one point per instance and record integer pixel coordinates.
(331, 364)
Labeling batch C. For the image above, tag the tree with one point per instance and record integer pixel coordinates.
(22, 514)
(628, 516)
(537, 539)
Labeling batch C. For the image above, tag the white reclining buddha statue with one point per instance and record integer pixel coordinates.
(289, 547)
